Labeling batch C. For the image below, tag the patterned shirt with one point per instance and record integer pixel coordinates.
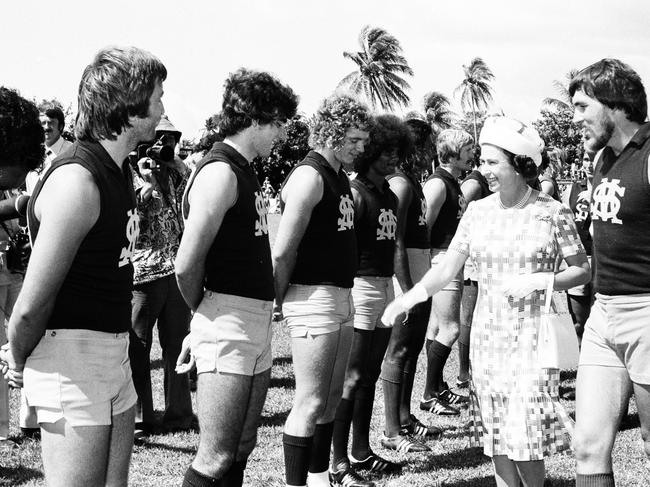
(161, 227)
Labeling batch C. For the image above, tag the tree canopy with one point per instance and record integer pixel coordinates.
(381, 67)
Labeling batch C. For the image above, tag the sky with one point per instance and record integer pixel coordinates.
(527, 44)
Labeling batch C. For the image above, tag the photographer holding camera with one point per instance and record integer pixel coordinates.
(159, 180)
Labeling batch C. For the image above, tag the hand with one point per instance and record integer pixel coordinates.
(522, 285)
(183, 367)
(396, 312)
(277, 312)
(144, 168)
(12, 373)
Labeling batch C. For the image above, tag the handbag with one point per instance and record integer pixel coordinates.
(557, 341)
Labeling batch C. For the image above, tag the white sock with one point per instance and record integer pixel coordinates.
(320, 479)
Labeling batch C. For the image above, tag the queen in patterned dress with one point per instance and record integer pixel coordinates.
(514, 239)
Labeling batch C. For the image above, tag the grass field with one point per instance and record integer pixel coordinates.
(162, 459)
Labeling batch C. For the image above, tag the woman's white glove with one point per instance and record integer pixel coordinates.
(401, 306)
(522, 285)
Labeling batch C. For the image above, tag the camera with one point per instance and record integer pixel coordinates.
(156, 153)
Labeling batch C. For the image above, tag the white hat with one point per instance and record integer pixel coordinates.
(513, 136)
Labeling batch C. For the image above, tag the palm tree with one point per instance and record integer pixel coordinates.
(381, 65)
(475, 90)
(438, 113)
(563, 100)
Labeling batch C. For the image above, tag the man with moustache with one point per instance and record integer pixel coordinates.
(315, 260)
(225, 274)
(53, 123)
(611, 106)
(68, 334)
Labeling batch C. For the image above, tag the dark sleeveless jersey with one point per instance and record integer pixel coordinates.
(476, 175)
(375, 227)
(96, 292)
(620, 215)
(579, 198)
(451, 212)
(239, 259)
(327, 253)
(415, 235)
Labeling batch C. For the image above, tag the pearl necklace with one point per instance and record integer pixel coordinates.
(519, 204)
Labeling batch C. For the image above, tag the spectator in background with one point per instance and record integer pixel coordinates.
(21, 150)
(548, 172)
(159, 187)
(53, 123)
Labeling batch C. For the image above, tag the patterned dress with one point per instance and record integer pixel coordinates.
(514, 404)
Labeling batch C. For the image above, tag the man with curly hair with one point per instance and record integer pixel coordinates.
(375, 224)
(21, 150)
(315, 260)
(224, 272)
(69, 329)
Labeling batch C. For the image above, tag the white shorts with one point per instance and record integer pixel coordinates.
(371, 295)
(317, 309)
(617, 334)
(232, 334)
(83, 376)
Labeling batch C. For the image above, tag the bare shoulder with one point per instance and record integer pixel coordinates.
(305, 184)
(68, 185)
(214, 182)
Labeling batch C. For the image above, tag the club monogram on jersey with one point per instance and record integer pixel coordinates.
(387, 225)
(346, 209)
(582, 206)
(262, 223)
(132, 232)
(422, 219)
(462, 205)
(606, 201)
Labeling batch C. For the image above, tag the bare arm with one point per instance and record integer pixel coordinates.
(547, 187)
(435, 194)
(212, 194)
(402, 190)
(471, 190)
(63, 226)
(577, 273)
(300, 194)
(432, 282)
(442, 274)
